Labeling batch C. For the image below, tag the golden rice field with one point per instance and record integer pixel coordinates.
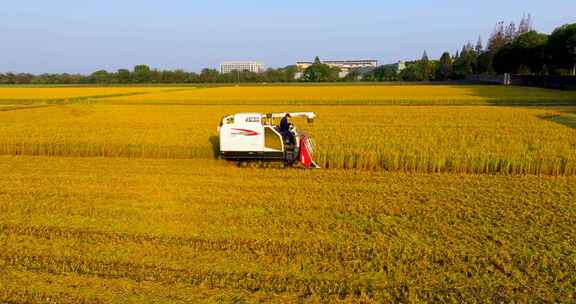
(366, 94)
(111, 230)
(27, 94)
(428, 194)
(463, 139)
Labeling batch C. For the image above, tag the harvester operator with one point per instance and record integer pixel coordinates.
(285, 129)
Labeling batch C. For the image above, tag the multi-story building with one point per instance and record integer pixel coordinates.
(241, 66)
(345, 66)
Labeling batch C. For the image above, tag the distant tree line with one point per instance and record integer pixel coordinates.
(319, 72)
(144, 74)
(510, 49)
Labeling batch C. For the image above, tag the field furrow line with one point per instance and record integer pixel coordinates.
(251, 281)
(286, 249)
(21, 296)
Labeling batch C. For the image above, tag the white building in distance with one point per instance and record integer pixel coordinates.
(400, 66)
(345, 66)
(241, 66)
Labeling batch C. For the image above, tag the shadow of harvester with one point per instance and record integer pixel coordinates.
(215, 142)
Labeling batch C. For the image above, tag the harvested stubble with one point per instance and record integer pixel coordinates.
(479, 139)
(107, 228)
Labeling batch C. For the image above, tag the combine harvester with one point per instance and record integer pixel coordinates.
(256, 137)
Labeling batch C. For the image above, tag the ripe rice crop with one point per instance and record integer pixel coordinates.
(119, 199)
(109, 131)
(351, 94)
(463, 139)
(455, 139)
(15, 94)
(97, 230)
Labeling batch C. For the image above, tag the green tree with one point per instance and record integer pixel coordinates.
(464, 63)
(208, 75)
(484, 63)
(562, 48)
(273, 75)
(289, 73)
(425, 67)
(504, 60)
(385, 73)
(530, 51)
(417, 70)
(319, 72)
(123, 76)
(524, 55)
(101, 76)
(412, 72)
(444, 70)
(479, 48)
(142, 74)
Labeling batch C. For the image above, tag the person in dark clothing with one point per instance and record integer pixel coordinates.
(285, 129)
(284, 123)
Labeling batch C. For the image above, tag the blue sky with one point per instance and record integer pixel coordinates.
(83, 36)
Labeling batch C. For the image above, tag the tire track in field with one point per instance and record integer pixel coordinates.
(35, 296)
(286, 250)
(250, 281)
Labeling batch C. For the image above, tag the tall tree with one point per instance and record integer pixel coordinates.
(484, 63)
(385, 73)
(479, 48)
(123, 76)
(510, 32)
(530, 52)
(101, 76)
(208, 75)
(425, 56)
(562, 48)
(319, 72)
(497, 39)
(523, 55)
(412, 72)
(142, 73)
(425, 67)
(444, 71)
(525, 25)
(464, 64)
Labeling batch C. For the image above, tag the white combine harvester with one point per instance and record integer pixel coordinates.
(248, 137)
